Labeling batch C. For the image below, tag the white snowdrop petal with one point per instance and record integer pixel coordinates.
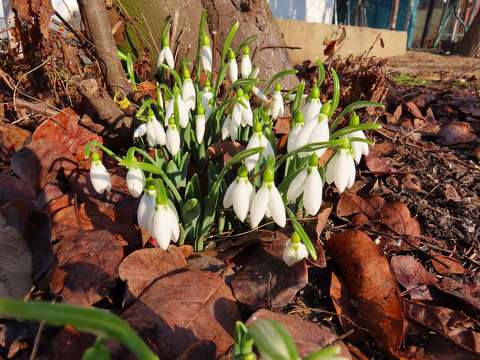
(246, 114)
(188, 93)
(145, 210)
(277, 209)
(174, 227)
(200, 127)
(351, 171)
(237, 113)
(233, 70)
(292, 141)
(225, 128)
(159, 132)
(331, 168)
(312, 193)
(169, 112)
(140, 130)
(206, 58)
(99, 177)
(289, 254)
(173, 141)
(135, 181)
(245, 66)
(169, 57)
(311, 110)
(342, 171)
(228, 197)
(259, 206)
(252, 160)
(151, 136)
(302, 252)
(160, 227)
(296, 186)
(241, 197)
(183, 111)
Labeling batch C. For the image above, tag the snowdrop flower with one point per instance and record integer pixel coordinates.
(155, 132)
(230, 128)
(297, 138)
(308, 182)
(359, 148)
(99, 176)
(135, 181)
(164, 222)
(292, 96)
(140, 130)
(341, 168)
(242, 112)
(294, 250)
(232, 66)
(312, 108)
(173, 137)
(188, 90)
(246, 63)
(146, 207)
(317, 130)
(277, 108)
(183, 108)
(158, 92)
(267, 201)
(206, 54)
(259, 94)
(200, 124)
(207, 96)
(166, 54)
(239, 194)
(258, 140)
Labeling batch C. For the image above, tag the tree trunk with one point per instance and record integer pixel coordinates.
(470, 44)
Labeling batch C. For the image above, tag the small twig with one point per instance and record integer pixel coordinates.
(33, 354)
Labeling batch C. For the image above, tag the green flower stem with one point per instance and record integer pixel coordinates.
(278, 76)
(90, 146)
(350, 129)
(301, 232)
(97, 321)
(177, 78)
(222, 71)
(336, 93)
(321, 72)
(354, 106)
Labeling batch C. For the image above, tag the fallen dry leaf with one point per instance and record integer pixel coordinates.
(413, 277)
(454, 325)
(87, 266)
(12, 139)
(183, 311)
(307, 336)
(282, 125)
(367, 275)
(455, 132)
(447, 266)
(350, 204)
(411, 182)
(451, 194)
(378, 165)
(12, 188)
(263, 279)
(414, 110)
(396, 216)
(144, 266)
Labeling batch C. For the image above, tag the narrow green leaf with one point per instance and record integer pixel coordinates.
(244, 43)
(321, 72)
(303, 235)
(298, 97)
(336, 93)
(278, 76)
(354, 106)
(328, 353)
(174, 73)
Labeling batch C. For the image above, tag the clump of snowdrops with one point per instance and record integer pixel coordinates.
(259, 183)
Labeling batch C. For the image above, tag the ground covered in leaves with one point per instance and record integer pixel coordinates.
(398, 268)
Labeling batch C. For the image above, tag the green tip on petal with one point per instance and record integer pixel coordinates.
(278, 87)
(295, 238)
(299, 118)
(171, 121)
(165, 42)
(150, 113)
(151, 186)
(246, 50)
(240, 92)
(345, 144)
(315, 93)
(176, 90)
(326, 107)
(230, 54)
(200, 110)
(185, 72)
(268, 175)
(313, 160)
(242, 172)
(355, 119)
(205, 40)
(208, 84)
(95, 156)
(257, 126)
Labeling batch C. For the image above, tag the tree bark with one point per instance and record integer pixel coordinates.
(470, 44)
(94, 14)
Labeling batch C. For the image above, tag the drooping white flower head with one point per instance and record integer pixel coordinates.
(242, 112)
(259, 94)
(158, 92)
(294, 250)
(140, 130)
(166, 55)
(239, 194)
(341, 168)
(232, 66)
(200, 124)
(246, 63)
(297, 138)
(164, 222)
(135, 181)
(277, 108)
(188, 90)
(206, 58)
(183, 108)
(359, 148)
(173, 137)
(308, 182)
(312, 108)
(155, 132)
(230, 127)
(99, 176)
(267, 201)
(258, 140)
(146, 207)
(207, 96)
(318, 130)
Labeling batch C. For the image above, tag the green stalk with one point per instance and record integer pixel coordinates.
(174, 73)
(301, 232)
(336, 93)
(93, 320)
(354, 106)
(244, 43)
(223, 65)
(321, 72)
(350, 129)
(278, 76)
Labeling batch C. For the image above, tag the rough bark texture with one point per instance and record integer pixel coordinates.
(95, 16)
(470, 44)
(255, 18)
